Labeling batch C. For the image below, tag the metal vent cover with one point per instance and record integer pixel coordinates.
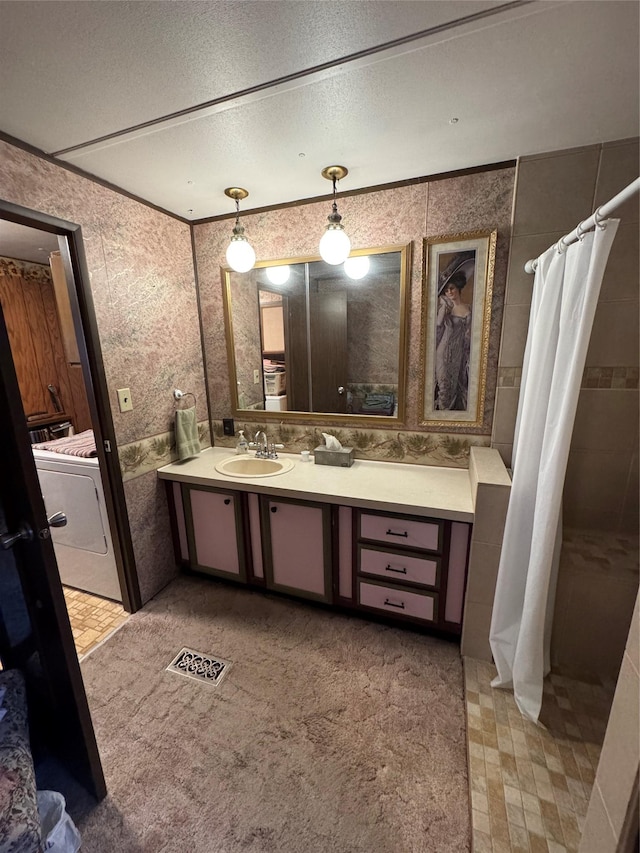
(201, 667)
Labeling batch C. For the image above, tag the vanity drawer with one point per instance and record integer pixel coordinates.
(409, 533)
(400, 602)
(399, 567)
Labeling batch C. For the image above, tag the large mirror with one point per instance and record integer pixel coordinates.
(307, 340)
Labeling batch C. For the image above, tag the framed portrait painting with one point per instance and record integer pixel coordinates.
(457, 287)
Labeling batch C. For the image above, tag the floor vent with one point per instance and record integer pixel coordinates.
(205, 668)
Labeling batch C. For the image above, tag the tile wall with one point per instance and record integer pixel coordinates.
(599, 565)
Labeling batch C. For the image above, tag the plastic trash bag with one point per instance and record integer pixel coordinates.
(59, 832)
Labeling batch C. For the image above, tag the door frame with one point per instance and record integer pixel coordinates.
(86, 329)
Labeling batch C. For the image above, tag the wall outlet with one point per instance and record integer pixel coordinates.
(256, 377)
(124, 399)
(228, 427)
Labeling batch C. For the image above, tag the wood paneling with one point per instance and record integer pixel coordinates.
(63, 306)
(32, 318)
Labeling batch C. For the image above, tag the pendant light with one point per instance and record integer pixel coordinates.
(240, 253)
(334, 245)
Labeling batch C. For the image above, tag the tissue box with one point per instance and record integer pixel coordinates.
(342, 458)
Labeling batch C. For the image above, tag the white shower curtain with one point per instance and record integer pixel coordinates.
(565, 294)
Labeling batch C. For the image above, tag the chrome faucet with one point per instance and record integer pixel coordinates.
(262, 446)
(264, 450)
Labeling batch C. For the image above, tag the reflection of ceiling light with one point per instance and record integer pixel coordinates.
(240, 253)
(357, 267)
(278, 275)
(334, 245)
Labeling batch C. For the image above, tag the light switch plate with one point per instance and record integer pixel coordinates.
(124, 399)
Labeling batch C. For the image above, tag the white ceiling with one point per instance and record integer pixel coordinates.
(520, 79)
(26, 244)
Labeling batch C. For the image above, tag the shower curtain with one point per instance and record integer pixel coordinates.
(565, 294)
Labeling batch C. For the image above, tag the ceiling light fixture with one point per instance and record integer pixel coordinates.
(334, 245)
(240, 253)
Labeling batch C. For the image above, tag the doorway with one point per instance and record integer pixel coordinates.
(60, 339)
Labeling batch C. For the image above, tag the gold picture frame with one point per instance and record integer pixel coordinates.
(457, 289)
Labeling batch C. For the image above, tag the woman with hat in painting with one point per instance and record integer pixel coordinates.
(453, 335)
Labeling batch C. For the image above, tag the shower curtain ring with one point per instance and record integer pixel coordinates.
(580, 231)
(599, 218)
(561, 246)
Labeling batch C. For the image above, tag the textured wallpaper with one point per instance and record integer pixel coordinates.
(142, 280)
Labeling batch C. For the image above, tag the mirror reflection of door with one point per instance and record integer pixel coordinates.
(328, 345)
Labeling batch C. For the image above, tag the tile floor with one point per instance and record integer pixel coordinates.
(530, 785)
(92, 618)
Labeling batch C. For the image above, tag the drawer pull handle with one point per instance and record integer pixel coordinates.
(393, 533)
(388, 603)
(227, 501)
(389, 568)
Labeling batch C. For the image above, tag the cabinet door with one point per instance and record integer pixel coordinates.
(298, 548)
(215, 533)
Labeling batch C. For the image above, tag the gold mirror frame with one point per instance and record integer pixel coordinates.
(334, 418)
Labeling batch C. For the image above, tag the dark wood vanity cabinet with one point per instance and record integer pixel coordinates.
(409, 569)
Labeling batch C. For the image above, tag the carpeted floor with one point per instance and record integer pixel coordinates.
(329, 733)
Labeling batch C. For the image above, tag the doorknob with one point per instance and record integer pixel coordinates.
(58, 519)
(340, 389)
(8, 540)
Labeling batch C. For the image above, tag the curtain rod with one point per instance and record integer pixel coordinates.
(595, 219)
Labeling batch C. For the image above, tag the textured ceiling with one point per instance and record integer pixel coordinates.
(520, 79)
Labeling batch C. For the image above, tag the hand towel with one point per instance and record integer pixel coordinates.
(187, 441)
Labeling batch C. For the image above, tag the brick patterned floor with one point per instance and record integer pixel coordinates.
(92, 618)
(530, 785)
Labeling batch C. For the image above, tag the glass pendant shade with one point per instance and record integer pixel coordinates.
(358, 267)
(278, 275)
(240, 254)
(334, 245)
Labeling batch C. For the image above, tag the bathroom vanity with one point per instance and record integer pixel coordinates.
(388, 539)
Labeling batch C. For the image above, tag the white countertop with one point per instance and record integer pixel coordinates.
(394, 486)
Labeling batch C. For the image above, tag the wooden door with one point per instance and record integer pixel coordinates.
(328, 322)
(298, 549)
(42, 647)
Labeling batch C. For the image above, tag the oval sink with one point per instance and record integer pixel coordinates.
(252, 466)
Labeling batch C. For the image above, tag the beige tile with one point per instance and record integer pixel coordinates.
(475, 631)
(597, 834)
(592, 622)
(633, 640)
(504, 419)
(538, 844)
(551, 821)
(620, 756)
(621, 274)
(524, 248)
(595, 488)
(519, 839)
(480, 821)
(567, 178)
(534, 823)
(490, 513)
(603, 413)
(614, 338)
(514, 335)
(515, 815)
(531, 803)
(482, 842)
(618, 167)
(483, 571)
(479, 803)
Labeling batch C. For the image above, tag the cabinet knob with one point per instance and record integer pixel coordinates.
(227, 501)
(274, 509)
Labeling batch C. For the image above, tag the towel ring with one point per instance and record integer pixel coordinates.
(180, 395)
